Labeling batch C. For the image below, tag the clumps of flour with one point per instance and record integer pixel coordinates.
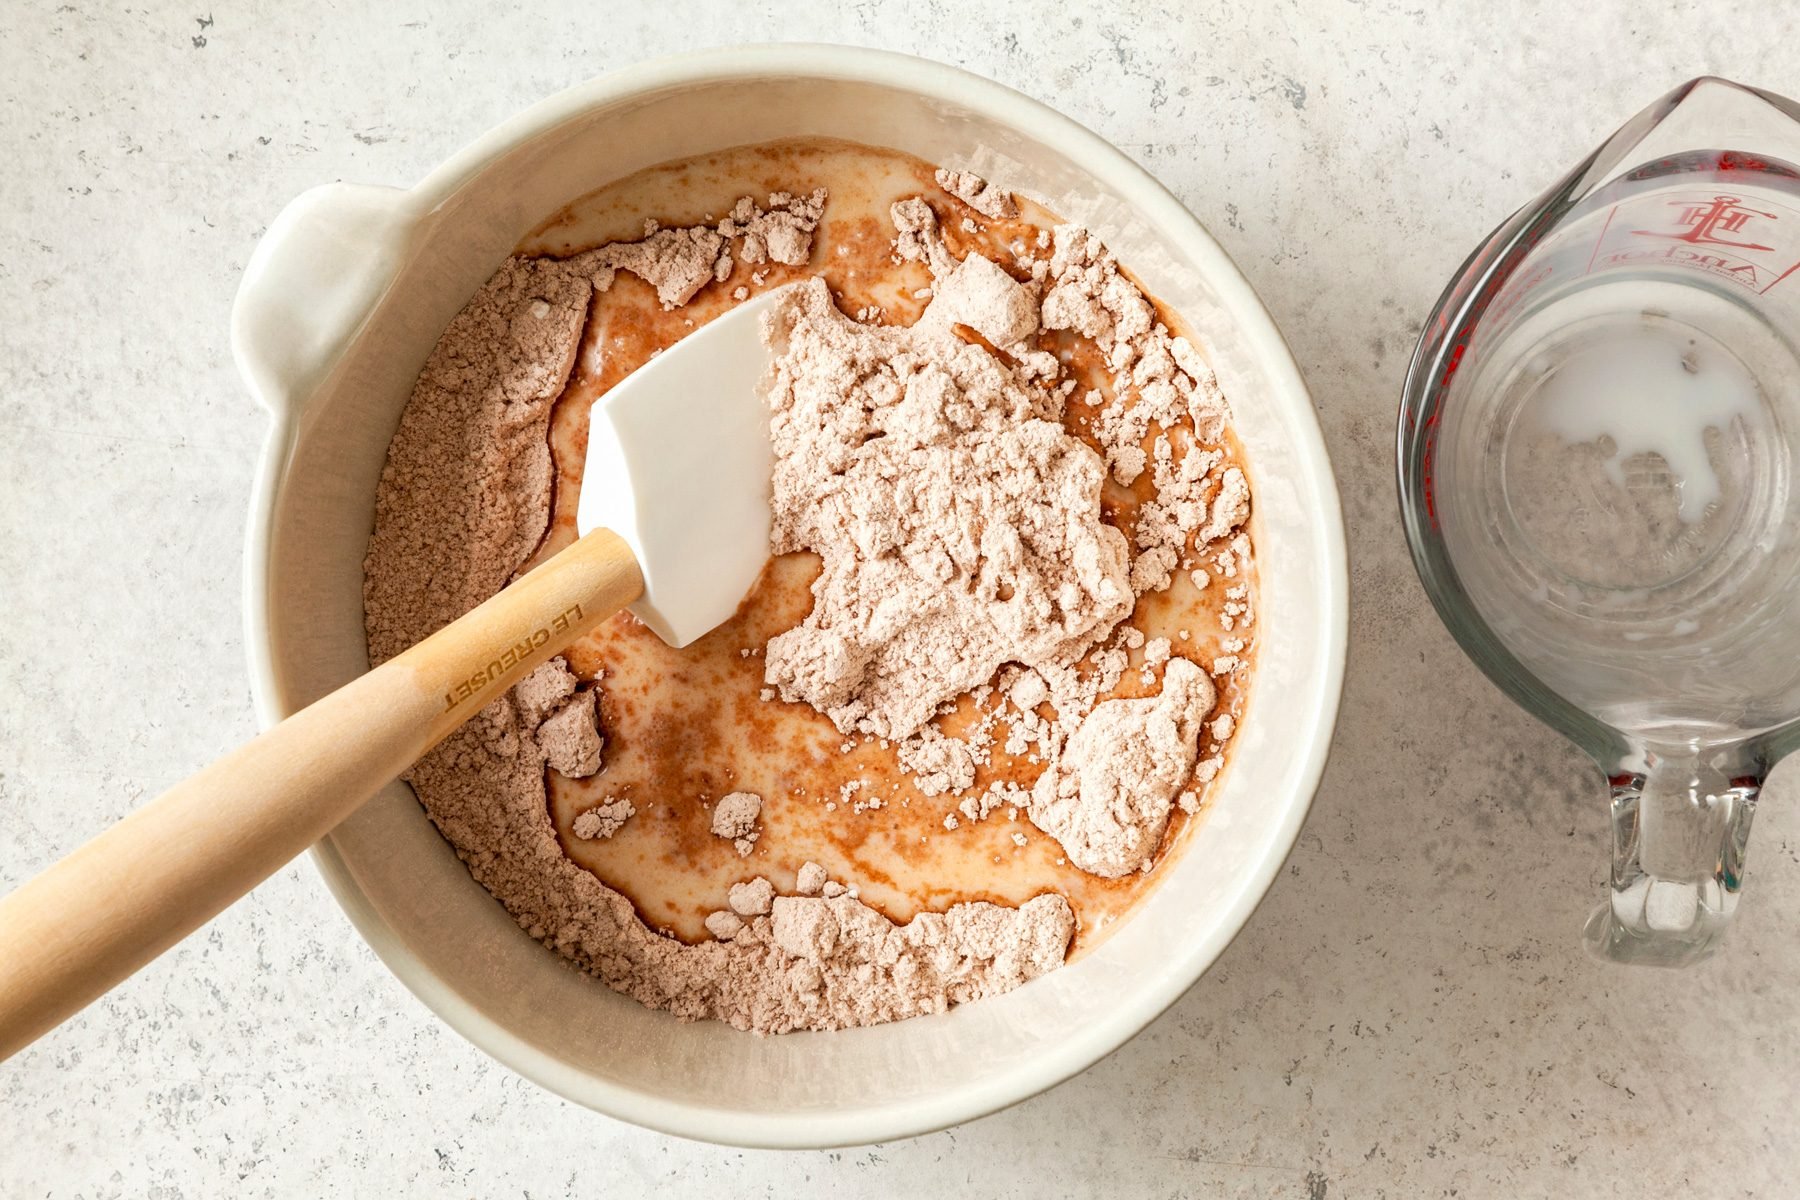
(988, 199)
(849, 961)
(734, 818)
(545, 690)
(782, 232)
(463, 502)
(678, 262)
(935, 950)
(961, 535)
(570, 739)
(1108, 797)
(752, 899)
(980, 806)
(603, 820)
(938, 764)
(1158, 378)
(958, 522)
(565, 722)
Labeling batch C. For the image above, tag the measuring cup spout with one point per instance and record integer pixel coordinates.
(1679, 831)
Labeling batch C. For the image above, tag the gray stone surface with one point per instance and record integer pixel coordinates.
(1409, 1014)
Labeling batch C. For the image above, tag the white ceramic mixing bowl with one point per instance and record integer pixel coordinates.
(339, 307)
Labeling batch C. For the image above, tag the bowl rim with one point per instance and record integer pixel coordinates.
(1150, 199)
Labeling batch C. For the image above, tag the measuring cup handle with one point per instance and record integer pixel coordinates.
(1679, 833)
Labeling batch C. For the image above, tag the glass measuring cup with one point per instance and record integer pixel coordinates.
(1597, 449)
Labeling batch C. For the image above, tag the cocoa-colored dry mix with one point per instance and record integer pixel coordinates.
(964, 547)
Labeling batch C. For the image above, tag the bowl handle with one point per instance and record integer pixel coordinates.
(314, 279)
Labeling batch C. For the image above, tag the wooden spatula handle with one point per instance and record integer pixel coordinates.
(132, 892)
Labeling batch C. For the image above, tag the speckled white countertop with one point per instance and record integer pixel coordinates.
(1409, 1014)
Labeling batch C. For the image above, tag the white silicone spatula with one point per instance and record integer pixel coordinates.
(674, 519)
